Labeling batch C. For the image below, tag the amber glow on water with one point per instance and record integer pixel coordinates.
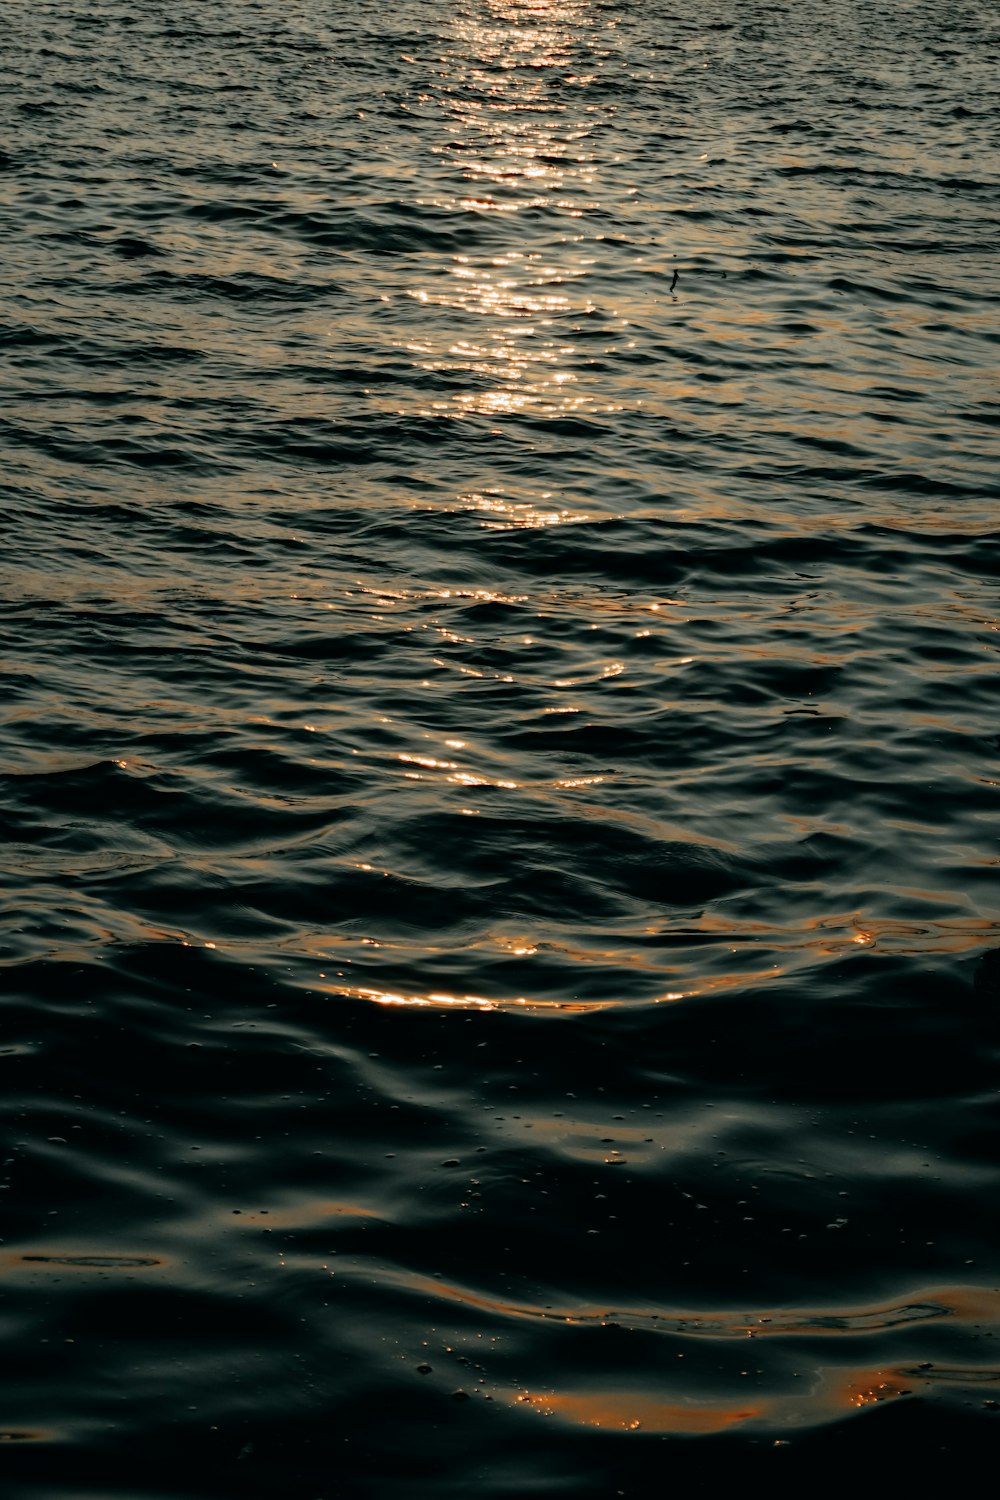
(504, 325)
(499, 655)
(635, 1410)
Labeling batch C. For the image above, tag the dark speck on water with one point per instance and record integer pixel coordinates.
(499, 762)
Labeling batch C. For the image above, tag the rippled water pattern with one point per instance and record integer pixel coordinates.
(499, 744)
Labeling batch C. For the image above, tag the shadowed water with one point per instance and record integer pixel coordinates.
(499, 947)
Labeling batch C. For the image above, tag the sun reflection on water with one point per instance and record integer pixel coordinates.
(513, 95)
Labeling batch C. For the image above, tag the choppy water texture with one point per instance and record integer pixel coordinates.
(500, 745)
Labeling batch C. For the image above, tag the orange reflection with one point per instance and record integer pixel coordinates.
(834, 933)
(637, 1409)
(873, 1387)
(501, 513)
(307, 1213)
(671, 1402)
(519, 119)
(59, 1261)
(443, 1000)
(971, 1304)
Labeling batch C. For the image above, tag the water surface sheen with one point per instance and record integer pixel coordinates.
(499, 744)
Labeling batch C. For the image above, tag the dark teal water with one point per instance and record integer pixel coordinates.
(499, 944)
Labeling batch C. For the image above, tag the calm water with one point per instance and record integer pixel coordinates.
(500, 944)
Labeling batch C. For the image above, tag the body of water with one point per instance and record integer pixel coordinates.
(499, 940)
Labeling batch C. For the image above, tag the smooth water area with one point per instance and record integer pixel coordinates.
(499, 938)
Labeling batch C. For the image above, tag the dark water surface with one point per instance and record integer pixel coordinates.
(500, 750)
